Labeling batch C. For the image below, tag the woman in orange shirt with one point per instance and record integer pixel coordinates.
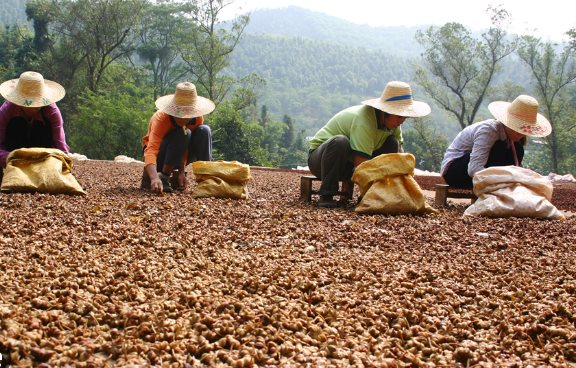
(176, 136)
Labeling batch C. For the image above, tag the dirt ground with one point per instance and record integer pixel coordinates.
(122, 277)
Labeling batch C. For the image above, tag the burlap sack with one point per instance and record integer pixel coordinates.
(44, 170)
(511, 191)
(221, 179)
(387, 186)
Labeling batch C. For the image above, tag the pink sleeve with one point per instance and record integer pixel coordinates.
(4, 118)
(52, 113)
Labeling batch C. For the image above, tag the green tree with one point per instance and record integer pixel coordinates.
(208, 46)
(425, 143)
(272, 142)
(244, 96)
(300, 141)
(90, 34)
(508, 91)
(41, 13)
(289, 133)
(552, 71)
(59, 56)
(458, 68)
(264, 118)
(297, 153)
(231, 140)
(572, 34)
(107, 124)
(160, 42)
(17, 55)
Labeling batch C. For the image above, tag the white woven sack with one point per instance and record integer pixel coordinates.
(511, 191)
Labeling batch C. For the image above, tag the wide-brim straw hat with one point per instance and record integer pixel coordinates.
(185, 103)
(521, 115)
(397, 99)
(32, 90)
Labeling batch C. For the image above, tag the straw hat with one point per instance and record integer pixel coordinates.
(397, 99)
(31, 90)
(185, 103)
(521, 116)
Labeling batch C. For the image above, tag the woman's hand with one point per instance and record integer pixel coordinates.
(156, 184)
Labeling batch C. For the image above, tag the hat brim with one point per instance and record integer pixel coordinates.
(413, 109)
(52, 93)
(202, 106)
(541, 128)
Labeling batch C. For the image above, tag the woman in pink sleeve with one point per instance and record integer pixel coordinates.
(29, 117)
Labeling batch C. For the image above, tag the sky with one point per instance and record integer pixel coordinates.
(548, 19)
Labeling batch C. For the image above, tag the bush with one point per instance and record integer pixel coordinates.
(109, 124)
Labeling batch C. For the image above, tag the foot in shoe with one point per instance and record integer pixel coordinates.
(166, 188)
(327, 201)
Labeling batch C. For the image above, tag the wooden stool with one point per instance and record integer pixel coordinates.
(443, 192)
(306, 190)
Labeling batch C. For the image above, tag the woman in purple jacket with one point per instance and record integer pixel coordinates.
(29, 117)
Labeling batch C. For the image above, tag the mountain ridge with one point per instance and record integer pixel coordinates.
(297, 21)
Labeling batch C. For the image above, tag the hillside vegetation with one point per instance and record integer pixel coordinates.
(315, 65)
(311, 79)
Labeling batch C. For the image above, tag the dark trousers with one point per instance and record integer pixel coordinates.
(332, 161)
(21, 134)
(175, 143)
(500, 155)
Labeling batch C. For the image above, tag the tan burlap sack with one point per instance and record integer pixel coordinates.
(387, 186)
(221, 179)
(44, 170)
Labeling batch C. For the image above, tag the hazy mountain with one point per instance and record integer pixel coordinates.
(315, 65)
(299, 22)
(310, 80)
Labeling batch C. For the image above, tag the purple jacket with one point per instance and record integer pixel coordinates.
(8, 110)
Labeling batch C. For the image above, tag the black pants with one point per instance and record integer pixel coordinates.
(175, 142)
(21, 134)
(332, 161)
(500, 155)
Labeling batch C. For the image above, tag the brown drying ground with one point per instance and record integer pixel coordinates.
(120, 277)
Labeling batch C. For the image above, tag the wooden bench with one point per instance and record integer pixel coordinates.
(444, 191)
(346, 188)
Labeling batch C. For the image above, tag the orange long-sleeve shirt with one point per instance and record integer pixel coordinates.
(159, 125)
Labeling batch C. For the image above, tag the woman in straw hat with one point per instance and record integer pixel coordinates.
(360, 133)
(176, 136)
(29, 117)
(493, 142)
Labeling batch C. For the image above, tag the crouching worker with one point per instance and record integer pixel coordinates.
(29, 117)
(176, 137)
(493, 142)
(360, 133)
